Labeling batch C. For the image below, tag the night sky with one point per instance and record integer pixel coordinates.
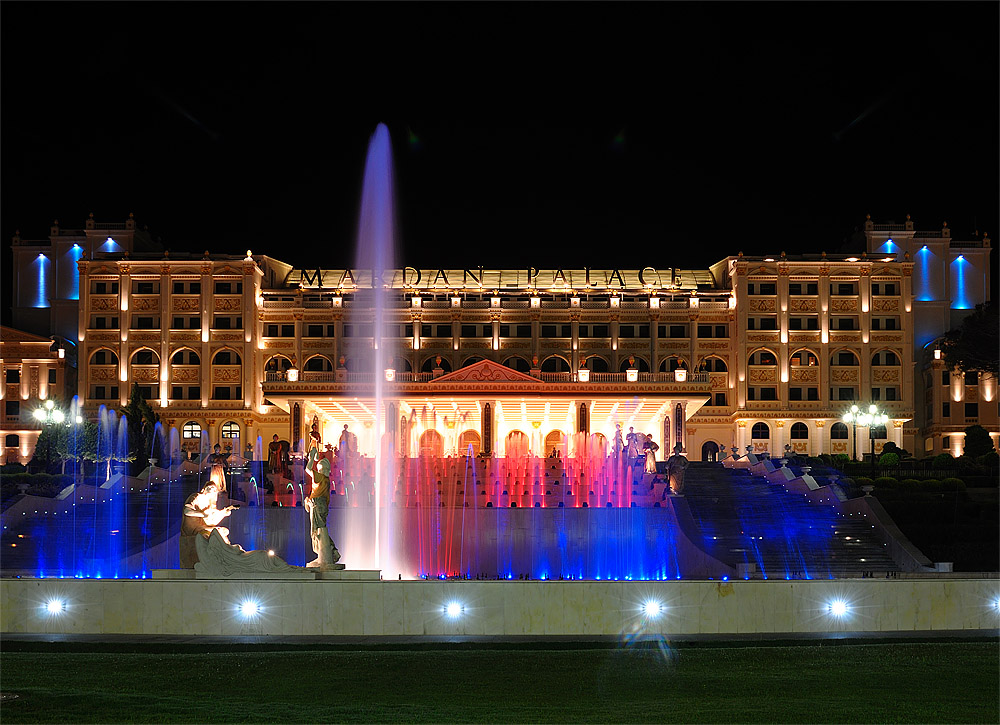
(577, 134)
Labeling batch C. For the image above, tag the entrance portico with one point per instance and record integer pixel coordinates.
(494, 409)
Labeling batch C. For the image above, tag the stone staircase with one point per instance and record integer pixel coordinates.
(745, 520)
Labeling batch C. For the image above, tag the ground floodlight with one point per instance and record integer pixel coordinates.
(249, 608)
(55, 606)
(652, 608)
(838, 608)
(453, 609)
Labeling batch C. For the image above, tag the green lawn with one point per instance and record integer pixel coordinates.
(833, 682)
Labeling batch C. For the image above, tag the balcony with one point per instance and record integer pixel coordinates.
(276, 382)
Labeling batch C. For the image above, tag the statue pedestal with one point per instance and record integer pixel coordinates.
(367, 575)
(307, 575)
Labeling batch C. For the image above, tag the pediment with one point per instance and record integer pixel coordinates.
(485, 371)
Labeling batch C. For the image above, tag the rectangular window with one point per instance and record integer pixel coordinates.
(144, 288)
(408, 329)
(946, 441)
(845, 288)
(678, 331)
(945, 410)
(270, 330)
(52, 376)
(722, 331)
(843, 394)
(525, 331)
(567, 331)
(768, 323)
(812, 393)
(288, 331)
(768, 288)
(876, 394)
(443, 331)
(625, 331)
(143, 323)
(795, 393)
(13, 375)
(704, 330)
(178, 323)
(12, 408)
(314, 331)
(803, 288)
(99, 392)
(844, 323)
(945, 377)
(331, 331)
(228, 288)
(794, 323)
(972, 410)
(222, 323)
(548, 330)
(972, 378)
(472, 331)
(891, 393)
(720, 399)
(222, 393)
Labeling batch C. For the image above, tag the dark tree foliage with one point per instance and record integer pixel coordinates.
(975, 346)
(977, 441)
(141, 421)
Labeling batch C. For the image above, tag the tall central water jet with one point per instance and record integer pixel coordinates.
(376, 244)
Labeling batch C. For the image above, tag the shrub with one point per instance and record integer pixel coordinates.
(944, 460)
(862, 481)
(889, 459)
(10, 468)
(953, 484)
(815, 461)
(931, 484)
(885, 482)
(989, 460)
(841, 459)
(909, 483)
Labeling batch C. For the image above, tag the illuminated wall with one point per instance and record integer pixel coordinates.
(40, 273)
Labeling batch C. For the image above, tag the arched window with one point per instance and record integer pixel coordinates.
(12, 440)
(800, 431)
(103, 357)
(639, 364)
(185, 357)
(516, 362)
(844, 358)
(431, 363)
(277, 363)
(318, 363)
(879, 432)
(715, 365)
(190, 430)
(760, 431)
(226, 357)
(885, 357)
(672, 363)
(838, 432)
(230, 429)
(763, 357)
(597, 364)
(804, 358)
(145, 357)
(554, 364)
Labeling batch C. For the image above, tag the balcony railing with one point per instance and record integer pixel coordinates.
(342, 376)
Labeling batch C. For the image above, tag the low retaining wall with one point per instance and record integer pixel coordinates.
(553, 608)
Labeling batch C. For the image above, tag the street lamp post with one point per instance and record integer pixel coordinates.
(868, 419)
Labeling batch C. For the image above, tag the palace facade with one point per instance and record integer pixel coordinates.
(765, 352)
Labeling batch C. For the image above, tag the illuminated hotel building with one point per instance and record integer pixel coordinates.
(752, 351)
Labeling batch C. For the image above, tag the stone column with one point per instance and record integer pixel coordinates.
(166, 323)
(824, 334)
(124, 324)
(207, 309)
(864, 315)
(574, 325)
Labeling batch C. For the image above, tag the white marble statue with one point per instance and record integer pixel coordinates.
(317, 506)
